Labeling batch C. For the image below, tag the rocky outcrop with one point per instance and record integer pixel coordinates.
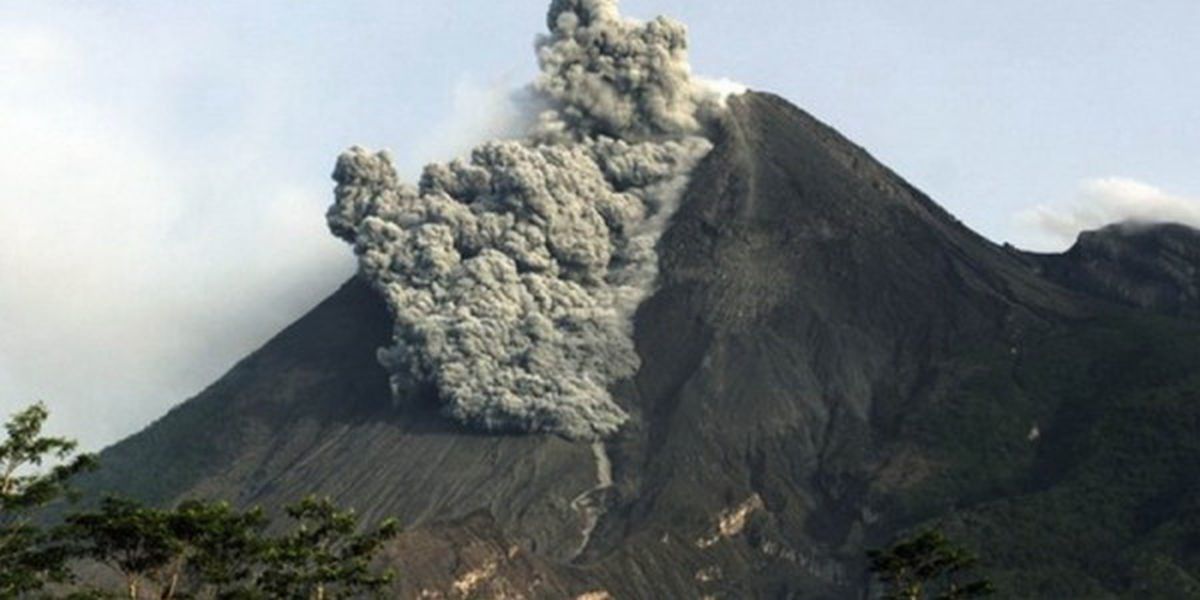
(1151, 266)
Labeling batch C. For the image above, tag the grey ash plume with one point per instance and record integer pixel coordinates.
(512, 275)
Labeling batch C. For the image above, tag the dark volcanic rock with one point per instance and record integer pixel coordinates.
(1153, 266)
(831, 358)
(805, 289)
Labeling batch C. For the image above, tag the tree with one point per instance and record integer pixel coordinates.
(204, 549)
(135, 541)
(224, 547)
(927, 565)
(200, 549)
(28, 559)
(323, 557)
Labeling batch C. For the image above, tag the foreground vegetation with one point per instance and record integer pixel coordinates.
(927, 566)
(199, 549)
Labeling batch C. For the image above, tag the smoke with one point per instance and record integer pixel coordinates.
(1109, 200)
(512, 275)
(614, 76)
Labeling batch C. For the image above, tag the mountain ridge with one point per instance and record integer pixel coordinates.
(1143, 265)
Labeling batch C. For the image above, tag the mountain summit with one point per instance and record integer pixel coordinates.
(671, 343)
(829, 358)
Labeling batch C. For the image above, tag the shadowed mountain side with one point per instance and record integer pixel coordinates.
(1152, 266)
(311, 412)
(808, 295)
(831, 358)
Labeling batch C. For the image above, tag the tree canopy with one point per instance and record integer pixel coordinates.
(28, 558)
(927, 566)
(198, 549)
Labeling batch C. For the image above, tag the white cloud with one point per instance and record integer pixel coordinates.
(1101, 202)
(722, 87)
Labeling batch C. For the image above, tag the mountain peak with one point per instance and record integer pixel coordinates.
(785, 203)
(829, 358)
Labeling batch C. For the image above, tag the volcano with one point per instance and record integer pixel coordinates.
(830, 358)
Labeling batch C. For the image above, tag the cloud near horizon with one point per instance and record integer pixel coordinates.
(125, 286)
(1103, 201)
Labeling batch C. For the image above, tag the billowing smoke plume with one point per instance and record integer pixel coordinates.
(617, 77)
(513, 276)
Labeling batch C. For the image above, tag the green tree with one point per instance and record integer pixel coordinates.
(28, 559)
(207, 549)
(200, 549)
(324, 557)
(224, 548)
(927, 565)
(135, 541)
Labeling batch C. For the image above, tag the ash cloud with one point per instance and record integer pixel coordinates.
(512, 275)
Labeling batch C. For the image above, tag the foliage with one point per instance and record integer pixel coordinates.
(200, 549)
(324, 557)
(27, 557)
(209, 550)
(136, 541)
(927, 565)
(223, 547)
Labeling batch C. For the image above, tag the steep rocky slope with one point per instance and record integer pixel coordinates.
(831, 358)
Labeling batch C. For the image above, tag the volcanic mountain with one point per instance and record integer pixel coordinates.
(829, 359)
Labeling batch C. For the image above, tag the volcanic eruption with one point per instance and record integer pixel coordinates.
(513, 276)
(703, 346)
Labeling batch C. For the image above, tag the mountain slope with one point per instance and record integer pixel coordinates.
(831, 358)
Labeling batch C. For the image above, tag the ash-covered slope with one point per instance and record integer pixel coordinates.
(311, 411)
(830, 358)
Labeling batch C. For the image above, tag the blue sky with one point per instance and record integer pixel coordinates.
(164, 165)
